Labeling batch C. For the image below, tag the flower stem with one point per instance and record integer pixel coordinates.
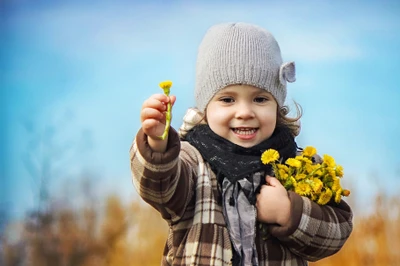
(165, 86)
(167, 122)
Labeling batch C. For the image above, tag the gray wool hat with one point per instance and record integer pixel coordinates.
(240, 53)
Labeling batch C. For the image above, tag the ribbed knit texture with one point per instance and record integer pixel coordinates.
(238, 53)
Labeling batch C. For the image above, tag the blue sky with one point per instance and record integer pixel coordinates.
(74, 76)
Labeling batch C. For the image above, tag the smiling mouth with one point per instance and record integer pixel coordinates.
(244, 131)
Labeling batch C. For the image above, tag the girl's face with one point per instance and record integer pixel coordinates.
(243, 114)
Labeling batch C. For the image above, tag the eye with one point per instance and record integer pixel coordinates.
(261, 99)
(227, 99)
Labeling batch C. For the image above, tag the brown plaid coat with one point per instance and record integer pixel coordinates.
(182, 187)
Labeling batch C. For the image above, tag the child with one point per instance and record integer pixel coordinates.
(209, 184)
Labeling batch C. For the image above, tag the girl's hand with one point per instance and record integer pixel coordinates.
(273, 204)
(152, 118)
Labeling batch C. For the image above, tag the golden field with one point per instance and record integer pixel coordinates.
(134, 234)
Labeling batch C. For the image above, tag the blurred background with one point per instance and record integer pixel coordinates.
(74, 74)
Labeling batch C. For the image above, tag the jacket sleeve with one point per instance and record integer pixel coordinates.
(315, 231)
(164, 180)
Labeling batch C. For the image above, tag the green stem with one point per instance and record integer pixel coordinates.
(165, 86)
(313, 172)
(167, 122)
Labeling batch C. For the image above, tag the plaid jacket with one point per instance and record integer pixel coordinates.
(182, 187)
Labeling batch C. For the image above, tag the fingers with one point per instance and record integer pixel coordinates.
(153, 114)
(156, 101)
(272, 181)
(173, 99)
(155, 106)
(148, 124)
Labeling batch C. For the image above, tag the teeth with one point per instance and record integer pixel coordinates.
(244, 131)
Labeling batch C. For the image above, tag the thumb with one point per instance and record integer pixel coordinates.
(272, 181)
(172, 98)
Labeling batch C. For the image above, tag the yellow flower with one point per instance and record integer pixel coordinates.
(346, 192)
(329, 161)
(325, 197)
(331, 172)
(338, 196)
(290, 183)
(309, 168)
(303, 159)
(336, 184)
(316, 185)
(166, 85)
(283, 174)
(318, 172)
(339, 171)
(283, 167)
(303, 189)
(319, 182)
(269, 156)
(293, 163)
(314, 197)
(293, 180)
(300, 176)
(309, 151)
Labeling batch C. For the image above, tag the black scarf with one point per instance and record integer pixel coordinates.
(233, 161)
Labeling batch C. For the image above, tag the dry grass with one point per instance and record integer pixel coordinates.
(375, 239)
(135, 235)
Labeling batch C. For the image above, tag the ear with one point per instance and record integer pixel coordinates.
(287, 73)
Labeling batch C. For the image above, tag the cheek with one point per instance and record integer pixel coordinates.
(270, 120)
(215, 118)
(214, 114)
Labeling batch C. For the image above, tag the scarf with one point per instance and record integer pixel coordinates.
(240, 174)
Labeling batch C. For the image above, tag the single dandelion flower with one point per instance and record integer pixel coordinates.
(294, 182)
(269, 156)
(329, 161)
(336, 184)
(293, 163)
(303, 159)
(309, 151)
(303, 189)
(331, 172)
(325, 197)
(339, 171)
(300, 176)
(318, 171)
(316, 185)
(165, 86)
(309, 168)
(338, 196)
(346, 192)
(283, 167)
(283, 174)
(290, 183)
(314, 197)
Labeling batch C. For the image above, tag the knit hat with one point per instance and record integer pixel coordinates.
(240, 53)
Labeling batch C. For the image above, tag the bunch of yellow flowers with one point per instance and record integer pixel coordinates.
(318, 181)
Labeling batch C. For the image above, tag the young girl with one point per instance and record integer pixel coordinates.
(208, 181)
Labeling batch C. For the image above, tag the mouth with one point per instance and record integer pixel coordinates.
(244, 131)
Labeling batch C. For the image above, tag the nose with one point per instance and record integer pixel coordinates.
(244, 111)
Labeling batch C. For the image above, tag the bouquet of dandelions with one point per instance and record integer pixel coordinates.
(319, 182)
